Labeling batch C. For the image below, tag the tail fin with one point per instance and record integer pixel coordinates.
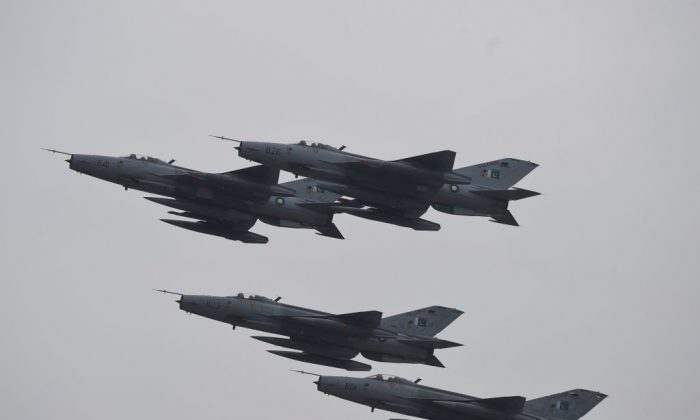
(426, 322)
(569, 405)
(308, 189)
(498, 174)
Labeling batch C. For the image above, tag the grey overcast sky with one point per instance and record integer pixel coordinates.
(598, 288)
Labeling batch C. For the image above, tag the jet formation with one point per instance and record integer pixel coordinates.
(331, 339)
(397, 192)
(406, 397)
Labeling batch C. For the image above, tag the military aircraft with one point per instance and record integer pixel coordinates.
(406, 397)
(329, 339)
(399, 192)
(224, 204)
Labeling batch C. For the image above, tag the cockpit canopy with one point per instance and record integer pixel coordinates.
(389, 378)
(252, 297)
(146, 158)
(316, 145)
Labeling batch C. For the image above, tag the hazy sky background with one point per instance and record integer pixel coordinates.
(598, 288)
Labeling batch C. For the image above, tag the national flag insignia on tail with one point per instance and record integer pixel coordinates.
(490, 173)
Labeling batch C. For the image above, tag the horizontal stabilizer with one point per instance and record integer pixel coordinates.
(259, 173)
(434, 361)
(505, 219)
(350, 365)
(439, 161)
(429, 344)
(369, 319)
(330, 230)
(506, 195)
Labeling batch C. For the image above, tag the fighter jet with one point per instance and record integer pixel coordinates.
(399, 192)
(488, 195)
(224, 204)
(331, 339)
(406, 397)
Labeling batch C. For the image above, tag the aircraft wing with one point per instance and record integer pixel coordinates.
(315, 352)
(411, 175)
(211, 220)
(505, 404)
(317, 359)
(368, 319)
(393, 208)
(224, 230)
(256, 180)
(392, 216)
(439, 161)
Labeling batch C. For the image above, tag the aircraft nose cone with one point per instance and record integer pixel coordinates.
(80, 163)
(321, 385)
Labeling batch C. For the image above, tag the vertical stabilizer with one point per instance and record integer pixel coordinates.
(498, 174)
(569, 405)
(425, 322)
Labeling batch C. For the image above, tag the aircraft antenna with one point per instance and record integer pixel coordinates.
(305, 373)
(225, 138)
(167, 292)
(57, 151)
